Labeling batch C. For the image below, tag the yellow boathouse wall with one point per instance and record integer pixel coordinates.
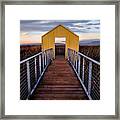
(72, 40)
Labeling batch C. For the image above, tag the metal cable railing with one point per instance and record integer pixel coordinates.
(87, 71)
(31, 71)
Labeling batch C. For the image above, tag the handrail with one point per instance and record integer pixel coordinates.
(30, 58)
(32, 70)
(87, 71)
(22, 61)
(89, 58)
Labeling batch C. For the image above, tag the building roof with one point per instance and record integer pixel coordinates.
(62, 27)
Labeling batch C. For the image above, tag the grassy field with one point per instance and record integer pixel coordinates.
(27, 51)
(91, 51)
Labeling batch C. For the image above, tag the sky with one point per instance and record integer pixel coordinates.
(32, 30)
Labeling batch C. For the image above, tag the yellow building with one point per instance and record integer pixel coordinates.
(72, 40)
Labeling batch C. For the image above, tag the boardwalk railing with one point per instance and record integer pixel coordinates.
(88, 72)
(31, 71)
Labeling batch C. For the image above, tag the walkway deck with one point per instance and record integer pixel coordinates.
(59, 83)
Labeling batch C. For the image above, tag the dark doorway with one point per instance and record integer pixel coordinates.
(60, 45)
(60, 49)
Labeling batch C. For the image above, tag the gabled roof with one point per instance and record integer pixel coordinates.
(62, 27)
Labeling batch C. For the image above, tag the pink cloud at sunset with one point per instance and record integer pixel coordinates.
(26, 38)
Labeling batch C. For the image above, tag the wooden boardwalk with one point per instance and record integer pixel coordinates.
(59, 83)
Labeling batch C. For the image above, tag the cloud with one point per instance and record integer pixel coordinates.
(97, 27)
(86, 36)
(46, 25)
(42, 22)
(30, 38)
(31, 30)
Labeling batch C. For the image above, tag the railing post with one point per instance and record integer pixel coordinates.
(90, 77)
(83, 67)
(76, 61)
(35, 68)
(43, 59)
(40, 63)
(74, 54)
(73, 58)
(28, 77)
(48, 56)
(79, 65)
(68, 54)
(52, 54)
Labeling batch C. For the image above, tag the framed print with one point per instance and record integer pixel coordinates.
(60, 60)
